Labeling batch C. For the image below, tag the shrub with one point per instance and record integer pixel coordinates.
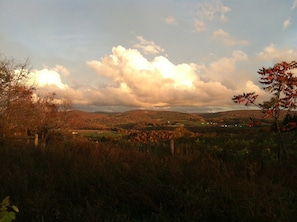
(7, 211)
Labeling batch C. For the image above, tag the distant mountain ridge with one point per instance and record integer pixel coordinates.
(82, 119)
(255, 114)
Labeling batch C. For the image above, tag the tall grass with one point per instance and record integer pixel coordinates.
(83, 181)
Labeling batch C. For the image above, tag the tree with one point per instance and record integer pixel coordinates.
(64, 106)
(50, 114)
(19, 113)
(14, 92)
(281, 83)
(21, 110)
(12, 75)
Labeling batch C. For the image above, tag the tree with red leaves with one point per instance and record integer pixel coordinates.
(281, 83)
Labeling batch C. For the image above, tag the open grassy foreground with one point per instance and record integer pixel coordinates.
(227, 177)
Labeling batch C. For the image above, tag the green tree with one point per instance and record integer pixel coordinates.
(281, 83)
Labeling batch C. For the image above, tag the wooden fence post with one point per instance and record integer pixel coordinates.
(172, 146)
(36, 139)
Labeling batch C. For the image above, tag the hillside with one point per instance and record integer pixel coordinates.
(232, 114)
(87, 120)
(140, 118)
(240, 115)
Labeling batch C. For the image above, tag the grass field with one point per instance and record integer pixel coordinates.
(95, 133)
(227, 176)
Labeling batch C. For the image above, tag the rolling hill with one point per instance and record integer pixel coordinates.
(96, 120)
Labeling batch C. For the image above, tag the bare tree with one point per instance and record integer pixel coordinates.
(15, 93)
(20, 110)
(64, 106)
(50, 114)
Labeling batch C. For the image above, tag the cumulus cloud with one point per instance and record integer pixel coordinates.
(136, 81)
(170, 20)
(131, 80)
(47, 77)
(253, 87)
(224, 70)
(227, 39)
(148, 47)
(48, 80)
(275, 54)
(61, 69)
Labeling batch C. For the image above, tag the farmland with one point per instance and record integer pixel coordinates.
(119, 167)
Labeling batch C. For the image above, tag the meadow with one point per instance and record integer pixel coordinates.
(228, 175)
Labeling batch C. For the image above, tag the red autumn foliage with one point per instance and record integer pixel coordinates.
(281, 83)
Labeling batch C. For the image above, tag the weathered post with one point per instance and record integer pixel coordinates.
(172, 146)
(36, 140)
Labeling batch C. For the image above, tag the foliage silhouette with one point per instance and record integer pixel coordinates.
(225, 178)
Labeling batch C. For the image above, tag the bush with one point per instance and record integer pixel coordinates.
(7, 211)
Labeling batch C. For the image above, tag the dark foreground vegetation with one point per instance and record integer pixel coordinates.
(225, 177)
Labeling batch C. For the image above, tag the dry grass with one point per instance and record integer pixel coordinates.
(81, 181)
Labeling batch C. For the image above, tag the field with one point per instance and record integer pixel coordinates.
(215, 174)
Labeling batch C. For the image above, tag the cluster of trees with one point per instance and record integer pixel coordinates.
(158, 136)
(22, 111)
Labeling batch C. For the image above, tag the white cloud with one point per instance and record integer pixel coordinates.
(170, 20)
(61, 69)
(211, 10)
(199, 25)
(47, 77)
(227, 39)
(294, 5)
(49, 81)
(286, 23)
(273, 54)
(132, 80)
(224, 70)
(135, 81)
(148, 47)
(253, 88)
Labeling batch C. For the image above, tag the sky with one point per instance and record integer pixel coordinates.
(119, 55)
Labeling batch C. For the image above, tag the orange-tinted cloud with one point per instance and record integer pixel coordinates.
(136, 81)
(227, 39)
(147, 47)
(170, 20)
(199, 25)
(277, 54)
